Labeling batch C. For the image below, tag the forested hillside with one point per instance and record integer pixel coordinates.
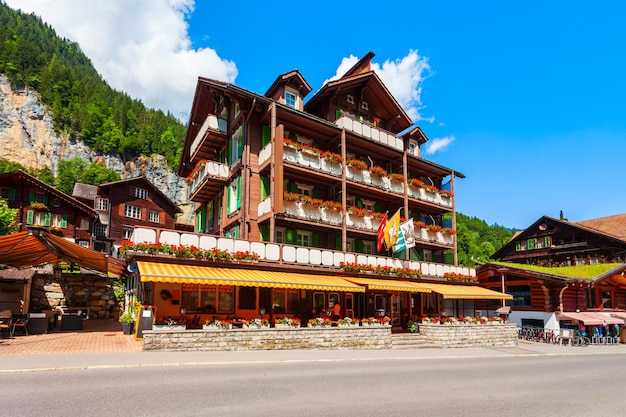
(83, 105)
(477, 240)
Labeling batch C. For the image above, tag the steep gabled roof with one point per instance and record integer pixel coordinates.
(293, 79)
(141, 179)
(610, 225)
(360, 76)
(15, 176)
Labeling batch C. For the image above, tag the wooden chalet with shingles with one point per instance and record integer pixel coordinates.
(555, 268)
(123, 205)
(41, 205)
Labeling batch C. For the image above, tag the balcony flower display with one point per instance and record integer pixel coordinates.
(419, 225)
(189, 251)
(301, 146)
(217, 324)
(38, 206)
(449, 231)
(333, 205)
(396, 177)
(380, 270)
(195, 171)
(287, 322)
(256, 324)
(289, 196)
(446, 193)
(454, 277)
(375, 169)
(348, 321)
(421, 184)
(356, 163)
(331, 156)
(434, 228)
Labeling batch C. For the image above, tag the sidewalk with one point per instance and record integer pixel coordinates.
(102, 345)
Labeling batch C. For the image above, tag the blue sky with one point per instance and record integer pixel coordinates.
(524, 98)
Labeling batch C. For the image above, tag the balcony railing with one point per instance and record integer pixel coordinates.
(370, 132)
(210, 169)
(282, 253)
(213, 123)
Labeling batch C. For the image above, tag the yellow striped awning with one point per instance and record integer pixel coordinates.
(469, 292)
(388, 284)
(193, 274)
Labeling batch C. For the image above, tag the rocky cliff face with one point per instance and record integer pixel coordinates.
(28, 137)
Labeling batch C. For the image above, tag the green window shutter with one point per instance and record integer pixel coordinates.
(292, 187)
(377, 208)
(315, 240)
(265, 187)
(264, 230)
(64, 221)
(265, 135)
(239, 143)
(518, 246)
(358, 246)
(223, 156)
(230, 152)
(293, 137)
(228, 193)
(201, 220)
(290, 237)
(546, 241)
(359, 203)
(46, 219)
(338, 243)
(338, 114)
(30, 217)
(316, 193)
(45, 198)
(12, 194)
(239, 188)
(31, 196)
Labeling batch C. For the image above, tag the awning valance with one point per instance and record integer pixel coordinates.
(194, 274)
(387, 284)
(591, 319)
(469, 292)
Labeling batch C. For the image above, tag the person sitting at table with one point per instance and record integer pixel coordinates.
(336, 311)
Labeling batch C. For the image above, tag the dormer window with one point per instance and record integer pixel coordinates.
(350, 99)
(364, 105)
(291, 98)
(413, 148)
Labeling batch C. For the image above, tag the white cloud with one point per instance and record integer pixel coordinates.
(438, 144)
(140, 47)
(403, 77)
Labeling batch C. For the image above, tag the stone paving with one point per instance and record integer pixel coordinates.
(97, 336)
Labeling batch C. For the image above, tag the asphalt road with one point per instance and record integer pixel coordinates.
(510, 385)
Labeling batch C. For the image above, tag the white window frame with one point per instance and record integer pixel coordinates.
(102, 204)
(56, 220)
(350, 99)
(84, 224)
(365, 105)
(84, 243)
(414, 148)
(100, 229)
(303, 238)
(369, 205)
(368, 247)
(39, 218)
(139, 192)
(279, 234)
(153, 216)
(127, 232)
(350, 200)
(304, 189)
(289, 93)
(132, 212)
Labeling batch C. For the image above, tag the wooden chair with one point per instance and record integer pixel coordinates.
(5, 326)
(20, 323)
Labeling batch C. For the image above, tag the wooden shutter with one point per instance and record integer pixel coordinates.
(265, 135)
(12, 194)
(239, 188)
(31, 196)
(290, 236)
(264, 231)
(201, 220)
(338, 242)
(315, 240)
(265, 187)
(46, 219)
(30, 217)
(316, 193)
(292, 187)
(64, 221)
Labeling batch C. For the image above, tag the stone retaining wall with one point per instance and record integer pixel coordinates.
(266, 339)
(463, 335)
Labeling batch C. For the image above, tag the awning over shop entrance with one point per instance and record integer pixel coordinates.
(469, 292)
(591, 319)
(388, 284)
(193, 274)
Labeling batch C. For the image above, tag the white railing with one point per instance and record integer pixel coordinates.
(292, 254)
(212, 122)
(373, 133)
(265, 154)
(210, 169)
(312, 160)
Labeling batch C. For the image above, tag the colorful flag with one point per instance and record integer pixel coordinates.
(381, 232)
(391, 229)
(406, 236)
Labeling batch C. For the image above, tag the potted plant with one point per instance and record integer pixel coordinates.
(128, 323)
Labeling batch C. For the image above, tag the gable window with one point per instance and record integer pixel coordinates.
(290, 98)
(153, 216)
(350, 99)
(100, 230)
(140, 193)
(101, 204)
(132, 211)
(364, 105)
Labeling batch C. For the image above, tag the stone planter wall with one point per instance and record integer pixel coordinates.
(266, 339)
(463, 335)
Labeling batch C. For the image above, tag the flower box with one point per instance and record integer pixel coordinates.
(286, 326)
(255, 327)
(177, 327)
